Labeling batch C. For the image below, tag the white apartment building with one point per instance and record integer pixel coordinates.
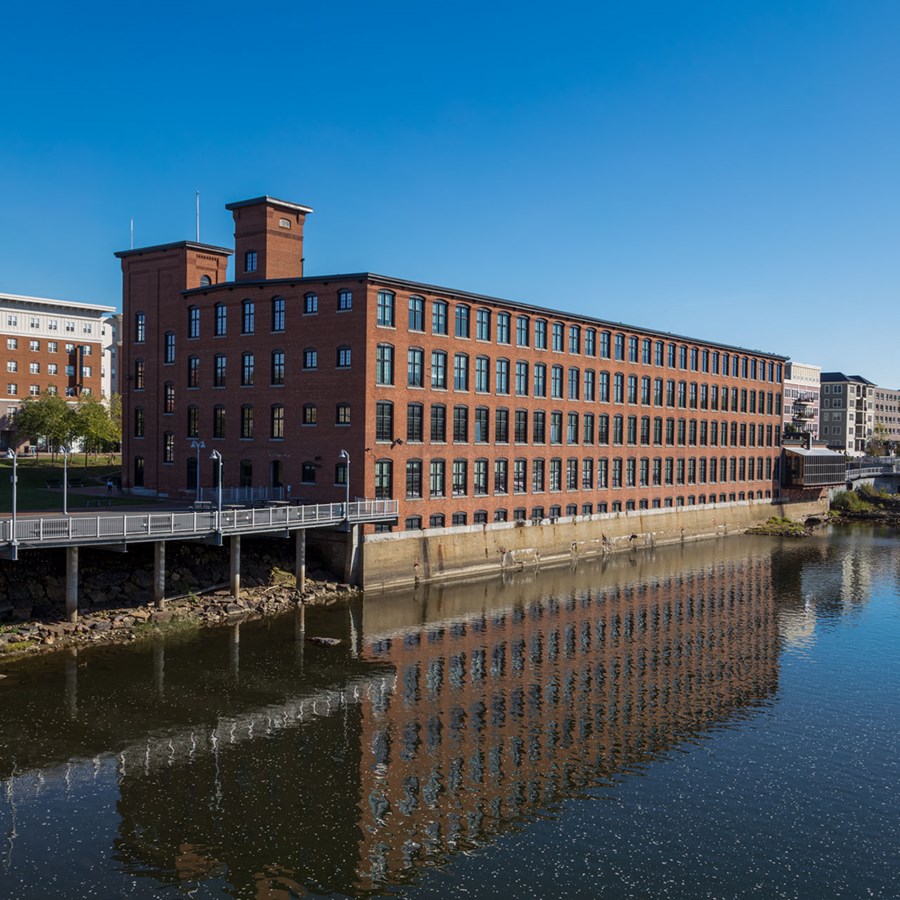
(847, 418)
(52, 346)
(802, 389)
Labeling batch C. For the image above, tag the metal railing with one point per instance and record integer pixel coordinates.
(62, 530)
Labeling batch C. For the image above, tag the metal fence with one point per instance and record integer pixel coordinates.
(63, 530)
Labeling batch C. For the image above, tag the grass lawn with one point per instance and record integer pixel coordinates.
(34, 495)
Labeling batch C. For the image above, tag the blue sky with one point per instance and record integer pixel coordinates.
(724, 170)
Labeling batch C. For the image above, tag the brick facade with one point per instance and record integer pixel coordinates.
(53, 346)
(631, 418)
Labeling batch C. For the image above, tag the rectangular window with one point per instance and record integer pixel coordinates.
(193, 322)
(219, 422)
(414, 479)
(438, 424)
(438, 369)
(277, 423)
(246, 422)
(385, 311)
(460, 372)
(277, 367)
(574, 339)
(384, 421)
(278, 314)
(482, 425)
(193, 378)
(250, 261)
(310, 358)
(501, 382)
(521, 331)
(539, 427)
(221, 320)
(482, 374)
(460, 478)
(558, 336)
(480, 477)
(384, 364)
(590, 342)
(501, 426)
(414, 423)
(483, 324)
(436, 475)
(438, 317)
(462, 321)
(556, 382)
(247, 367)
(345, 300)
(503, 320)
(540, 334)
(219, 370)
(416, 314)
(521, 378)
(342, 414)
(460, 424)
(248, 317)
(520, 426)
(540, 380)
(140, 328)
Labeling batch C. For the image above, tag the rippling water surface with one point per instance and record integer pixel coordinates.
(719, 720)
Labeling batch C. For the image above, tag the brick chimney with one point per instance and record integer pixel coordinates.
(268, 239)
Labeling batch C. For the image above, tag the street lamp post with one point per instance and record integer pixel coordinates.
(65, 456)
(198, 446)
(344, 455)
(11, 454)
(219, 462)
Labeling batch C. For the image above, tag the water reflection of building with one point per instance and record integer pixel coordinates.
(255, 764)
(493, 717)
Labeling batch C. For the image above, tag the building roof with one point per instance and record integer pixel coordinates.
(187, 245)
(46, 301)
(269, 201)
(840, 376)
(402, 283)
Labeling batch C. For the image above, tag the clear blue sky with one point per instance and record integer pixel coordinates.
(724, 170)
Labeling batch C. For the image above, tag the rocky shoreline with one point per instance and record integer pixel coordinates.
(128, 624)
(115, 604)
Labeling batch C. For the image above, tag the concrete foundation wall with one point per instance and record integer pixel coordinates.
(408, 558)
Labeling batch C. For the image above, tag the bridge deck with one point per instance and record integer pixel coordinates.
(66, 531)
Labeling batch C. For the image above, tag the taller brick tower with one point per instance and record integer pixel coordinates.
(268, 239)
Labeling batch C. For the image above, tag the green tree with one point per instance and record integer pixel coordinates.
(94, 426)
(46, 417)
(878, 442)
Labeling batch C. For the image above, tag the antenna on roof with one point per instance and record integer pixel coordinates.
(198, 217)
(132, 232)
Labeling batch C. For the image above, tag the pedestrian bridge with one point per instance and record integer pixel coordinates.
(35, 532)
(115, 532)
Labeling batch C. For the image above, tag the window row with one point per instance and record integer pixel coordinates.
(69, 325)
(438, 478)
(276, 423)
(34, 390)
(459, 424)
(539, 514)
(52, 346)
(526, 331)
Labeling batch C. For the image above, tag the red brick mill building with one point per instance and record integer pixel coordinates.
(466, 408)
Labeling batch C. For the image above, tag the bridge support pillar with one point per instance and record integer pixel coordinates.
(299, 633)
(300, 558)
(159, 574)
(72, 584)
(351, 557)
(234, 575)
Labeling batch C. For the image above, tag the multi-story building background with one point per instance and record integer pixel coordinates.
(466, 408)
(801, 397)
(848, 412)
(51, 346)
(887, 414)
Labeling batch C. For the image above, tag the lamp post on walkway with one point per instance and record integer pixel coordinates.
(65, 455)
(198, 445)
(11, 454)
(344, 455)
(219, 462)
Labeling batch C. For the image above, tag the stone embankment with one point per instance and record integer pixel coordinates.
(115, 591)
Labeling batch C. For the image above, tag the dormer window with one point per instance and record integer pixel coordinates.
(250, 261)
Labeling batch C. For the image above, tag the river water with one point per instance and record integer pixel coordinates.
(715, 720)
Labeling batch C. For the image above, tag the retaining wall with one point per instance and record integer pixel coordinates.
(408, 558)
